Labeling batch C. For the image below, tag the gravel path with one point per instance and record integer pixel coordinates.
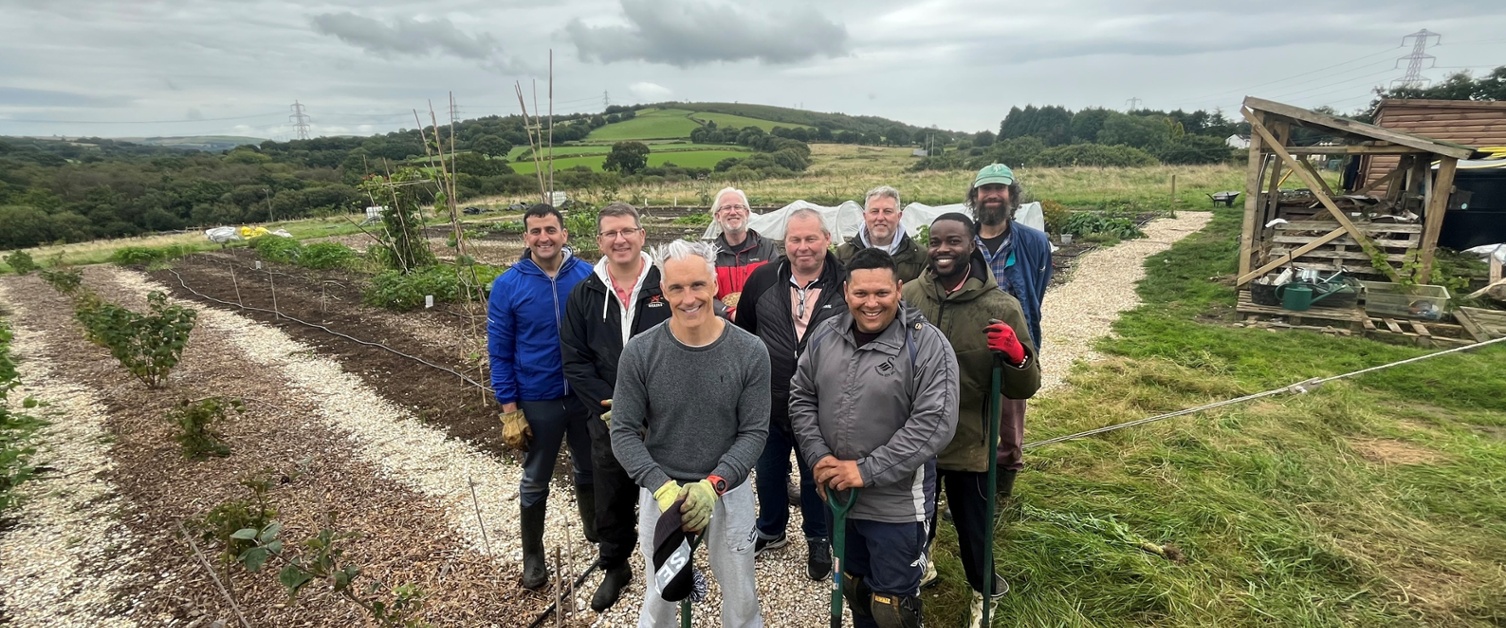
(68, 551)
(1079, 312)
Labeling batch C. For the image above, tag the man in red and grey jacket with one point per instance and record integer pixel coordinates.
(739, 249)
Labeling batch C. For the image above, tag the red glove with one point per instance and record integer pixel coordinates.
(1002, 341)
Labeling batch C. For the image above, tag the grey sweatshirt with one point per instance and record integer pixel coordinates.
(684, 413)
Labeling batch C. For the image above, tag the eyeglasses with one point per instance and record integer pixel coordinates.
(623, 233)
(732, 208)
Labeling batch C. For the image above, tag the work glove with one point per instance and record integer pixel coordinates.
(515, 431)
(606, 417)
(700, 498)
(1003, 342)
(667, 494)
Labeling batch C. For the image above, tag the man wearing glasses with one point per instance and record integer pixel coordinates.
(780, 303)
(619, 300)
(881, 230)
(740, 250)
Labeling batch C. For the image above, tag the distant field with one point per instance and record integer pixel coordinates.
(649, 124)
(684, 158)
(725, 120)
(603, 149)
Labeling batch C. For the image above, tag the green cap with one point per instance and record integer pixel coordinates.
(994, 173)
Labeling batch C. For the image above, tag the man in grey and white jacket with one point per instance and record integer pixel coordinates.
(872, 401)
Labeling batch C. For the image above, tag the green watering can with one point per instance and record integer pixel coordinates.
(1299, 297)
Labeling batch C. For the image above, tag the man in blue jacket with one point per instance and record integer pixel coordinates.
(1020, 258)
(523, 337)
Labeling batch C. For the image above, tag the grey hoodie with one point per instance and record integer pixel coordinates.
(888, 405)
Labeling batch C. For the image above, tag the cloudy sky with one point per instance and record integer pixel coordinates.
(180, 67)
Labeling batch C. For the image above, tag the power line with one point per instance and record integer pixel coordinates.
(1413, 77)
(1207, 98)
(1134, 103)
(300, 120)
(182, 121)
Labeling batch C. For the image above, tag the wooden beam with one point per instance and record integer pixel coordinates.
(1353, 149)
(1448, 149)
(1314, 185)
(1314, 172)
(1432, 220)
(1395, 172)
(1294, 254)
(1253, 173)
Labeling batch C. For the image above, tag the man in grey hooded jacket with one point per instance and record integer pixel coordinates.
(872, 401)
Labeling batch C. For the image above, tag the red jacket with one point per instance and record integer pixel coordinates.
(734, 264)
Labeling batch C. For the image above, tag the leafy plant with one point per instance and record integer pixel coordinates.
(278, 249)
(142, 255)
(403, 247)
(697, 219)
(15, 428)
(326, 256)
(1055, 214)
(193, 419)
(65, 280)
(395, 290)
(1102, 225)
(21, 262)
(323, 561)
(222, 521)
(148, 345)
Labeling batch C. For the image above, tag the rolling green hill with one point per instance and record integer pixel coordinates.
(649, 124)
(736, 121)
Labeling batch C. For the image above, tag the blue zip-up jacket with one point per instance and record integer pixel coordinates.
(1028, 276)
(523, 329)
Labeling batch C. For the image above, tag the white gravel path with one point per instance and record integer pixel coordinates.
(61, 563)
(1076, 314)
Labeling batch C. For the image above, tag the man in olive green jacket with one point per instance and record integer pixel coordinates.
(882, 230)
(958, 295)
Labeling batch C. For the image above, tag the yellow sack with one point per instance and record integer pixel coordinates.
(253, 232)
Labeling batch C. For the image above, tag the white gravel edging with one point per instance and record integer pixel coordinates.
(1079, 312)
(68, 552)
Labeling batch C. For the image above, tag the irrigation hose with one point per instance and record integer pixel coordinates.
(1301, 387)
(278, 314)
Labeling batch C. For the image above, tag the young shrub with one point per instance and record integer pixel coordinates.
(147, 345)
(326, 256)
(193, 420)
(277, 249)
(66, 281)
(395, 290)
(1056, 215)
(21, 262)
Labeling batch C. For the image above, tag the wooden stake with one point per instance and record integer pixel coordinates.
(1432, 221)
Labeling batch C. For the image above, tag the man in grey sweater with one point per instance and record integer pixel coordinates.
(704, 431)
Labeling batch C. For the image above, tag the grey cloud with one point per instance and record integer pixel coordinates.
(686, 33)
(23, 97)
(406, 36)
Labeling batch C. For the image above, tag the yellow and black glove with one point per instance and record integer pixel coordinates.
(515, 431)
(700, 498)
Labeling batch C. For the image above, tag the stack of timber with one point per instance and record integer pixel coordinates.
(1392, 240)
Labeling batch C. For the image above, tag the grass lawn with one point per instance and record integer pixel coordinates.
(725, 120)
(685, 158)
(1373, 501)
(648, 124)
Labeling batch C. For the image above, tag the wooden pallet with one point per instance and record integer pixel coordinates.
(1349, 316)
(1481, 324)
(1392, 239)
(1420, 333)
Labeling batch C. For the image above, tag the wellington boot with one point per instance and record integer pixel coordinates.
(531, 524)
(585, 502)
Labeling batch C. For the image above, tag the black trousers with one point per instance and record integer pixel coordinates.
(616, 500)
(967, 495)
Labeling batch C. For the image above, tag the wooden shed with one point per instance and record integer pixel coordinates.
(1468, 122)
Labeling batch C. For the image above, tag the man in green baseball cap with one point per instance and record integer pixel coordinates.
(1020, 258)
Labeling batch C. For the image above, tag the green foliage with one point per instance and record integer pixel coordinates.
(277, 249)
(221, 523)
(695, 219)
(403, 246)
(327, 256)
(66, 281)
(193, 421)
(16, 428)
(1095, 155)
(395, 290)
(145, 255)
(627, 157)
(21, 262)
(147, 345)
(1101, 225)
(1056, 215)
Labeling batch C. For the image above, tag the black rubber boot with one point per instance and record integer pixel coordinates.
(585, 502)
(616, 579)
(1006, 483)
(531, 524)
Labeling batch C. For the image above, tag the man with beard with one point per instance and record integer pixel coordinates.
(983, 324)
(619, 300)
(691, 415)
(1020, 258)
(522, 329)
(873, 399)
(881, 230)
(740, 250)
(781, 303)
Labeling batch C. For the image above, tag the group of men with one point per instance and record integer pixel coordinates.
(676, 376)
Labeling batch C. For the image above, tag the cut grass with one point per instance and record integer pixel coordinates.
(727, 120)
(686, 159)
(1282, 508)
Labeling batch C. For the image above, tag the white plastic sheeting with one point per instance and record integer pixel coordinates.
(843, 220)
(221, 235)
